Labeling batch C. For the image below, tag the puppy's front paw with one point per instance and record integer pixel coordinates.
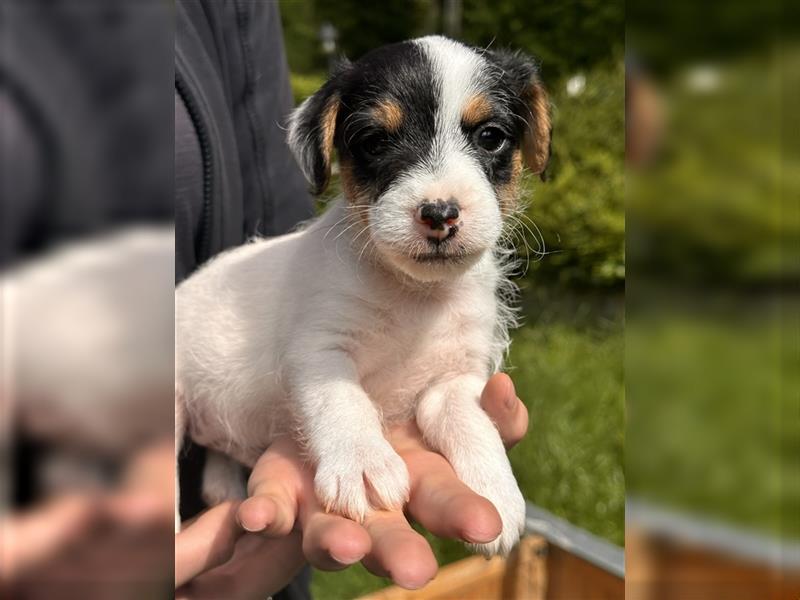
(503, 492)
(360, 476)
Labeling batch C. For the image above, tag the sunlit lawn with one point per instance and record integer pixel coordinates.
(716, 404)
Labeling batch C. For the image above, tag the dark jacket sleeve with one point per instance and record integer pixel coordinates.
(85, 120)
(234, 174)
(233, 93)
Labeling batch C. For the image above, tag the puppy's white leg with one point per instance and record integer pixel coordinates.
(356, 466)
(452, 422)
(222, 479)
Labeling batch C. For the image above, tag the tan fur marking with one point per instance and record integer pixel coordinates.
(389, 114)
(328, 125)
(508, 193)
(354, 193)
(476, 110)
(536, 145)
(357, 198)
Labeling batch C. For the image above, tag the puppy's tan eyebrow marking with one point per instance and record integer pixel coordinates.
(389, 114)
(476, 110)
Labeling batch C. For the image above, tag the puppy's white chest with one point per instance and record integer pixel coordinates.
(418, 344)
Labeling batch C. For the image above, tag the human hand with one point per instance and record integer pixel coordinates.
(216, 558)
(98, 542)
(281, 498)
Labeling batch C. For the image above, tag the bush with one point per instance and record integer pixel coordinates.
(580, 210)
(303, 85)
(564, 36)
(719, 207)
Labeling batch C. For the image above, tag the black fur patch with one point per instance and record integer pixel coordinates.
(505, 80)
(514, 72)
(401, 73)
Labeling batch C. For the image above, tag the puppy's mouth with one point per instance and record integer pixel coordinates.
(440, 253)
(438, 258)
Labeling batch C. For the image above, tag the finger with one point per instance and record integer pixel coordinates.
(206, 542)
(32, 538)
(399, 552)
(510, 415)
(258, 568)
(273, 489)
(330, 542)
(444, 505)
(139, 509)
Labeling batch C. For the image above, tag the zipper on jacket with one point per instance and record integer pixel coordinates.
(203, 247)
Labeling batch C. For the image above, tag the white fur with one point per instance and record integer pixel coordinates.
(332, 333)
(92, 341)
(87, 350)
(296, 335)
(222, 479)
(459, 71)
(303, 153)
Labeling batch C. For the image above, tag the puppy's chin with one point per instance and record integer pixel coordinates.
(430, 268)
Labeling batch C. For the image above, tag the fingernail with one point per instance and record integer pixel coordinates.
(479, 537)
(350, 560)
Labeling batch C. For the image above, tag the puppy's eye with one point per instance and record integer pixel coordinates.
(490, 139)
(374, 146)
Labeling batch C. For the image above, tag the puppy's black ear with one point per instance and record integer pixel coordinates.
(522, 74)
(312, 126)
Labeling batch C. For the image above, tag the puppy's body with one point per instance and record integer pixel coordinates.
(384, 309)
(265, 318)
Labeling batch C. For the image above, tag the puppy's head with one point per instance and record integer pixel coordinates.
(432, 136)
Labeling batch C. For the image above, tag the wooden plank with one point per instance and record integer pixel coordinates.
(470, 578)
(661, 569)
(526, 570)
(520, 577)
(574, 540)
(572, 578)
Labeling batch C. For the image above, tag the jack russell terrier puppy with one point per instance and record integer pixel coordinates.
(391, 306)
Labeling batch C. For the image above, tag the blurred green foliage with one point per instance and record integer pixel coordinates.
(305, 84)
(360, 27)
(713, 352)
(564, 36)
(711, 209)
(580, 210)
(708, 31)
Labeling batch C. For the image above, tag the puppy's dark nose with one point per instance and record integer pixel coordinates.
(439, 218)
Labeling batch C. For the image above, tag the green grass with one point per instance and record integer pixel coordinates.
(713, 381)
(567, 365)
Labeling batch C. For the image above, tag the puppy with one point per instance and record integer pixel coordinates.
(389, 307)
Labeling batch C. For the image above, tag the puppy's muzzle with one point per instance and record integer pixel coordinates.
(438, 220)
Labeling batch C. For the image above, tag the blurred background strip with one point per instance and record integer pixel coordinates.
(713, 329)
(86, 296)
